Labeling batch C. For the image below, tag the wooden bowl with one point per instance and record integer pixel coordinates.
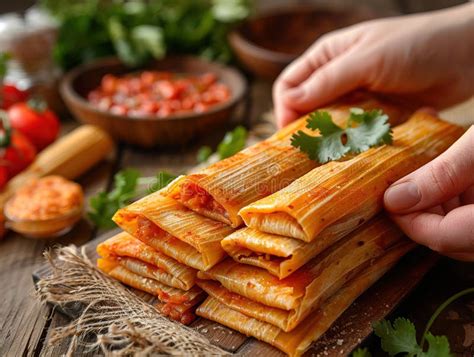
(266, 44)
(151, 131)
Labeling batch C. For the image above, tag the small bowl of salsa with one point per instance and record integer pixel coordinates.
(45, 208)
(168, 102)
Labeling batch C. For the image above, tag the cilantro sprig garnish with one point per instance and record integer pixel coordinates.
(365, 129)
(399, 338)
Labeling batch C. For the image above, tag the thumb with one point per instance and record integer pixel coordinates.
(445, 177)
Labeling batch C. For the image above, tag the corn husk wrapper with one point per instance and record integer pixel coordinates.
(297, 341)
(175, 230)
(335, 198)
(222, 189)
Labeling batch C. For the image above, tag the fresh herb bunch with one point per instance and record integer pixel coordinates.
(399, 338)
(365, 129)
(126, 187)
(138, 30)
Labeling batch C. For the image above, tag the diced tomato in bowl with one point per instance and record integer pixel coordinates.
(158, 93)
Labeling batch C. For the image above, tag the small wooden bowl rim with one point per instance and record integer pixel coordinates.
(67, 89)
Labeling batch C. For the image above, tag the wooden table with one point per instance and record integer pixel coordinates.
(26, 324)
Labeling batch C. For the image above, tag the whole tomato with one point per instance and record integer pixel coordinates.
(34, 120)
(16, 151)
(9, 95)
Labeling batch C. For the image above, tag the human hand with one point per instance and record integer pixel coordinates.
(426, 59)
(434, 205)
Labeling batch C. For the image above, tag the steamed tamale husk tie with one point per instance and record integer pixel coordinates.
(140, 258)
(222, 189)
(297, 341)
(332, 199)
(308, 287)
(170, 227)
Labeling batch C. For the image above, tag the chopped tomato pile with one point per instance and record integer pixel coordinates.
(158, 93)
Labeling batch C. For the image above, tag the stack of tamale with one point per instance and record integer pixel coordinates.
(315, 236)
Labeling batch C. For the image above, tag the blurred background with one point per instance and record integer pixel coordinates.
(402, 6)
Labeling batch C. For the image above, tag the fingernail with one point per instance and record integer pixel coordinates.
(402, 196)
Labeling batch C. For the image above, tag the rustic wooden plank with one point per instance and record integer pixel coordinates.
(219, 335)
(22, 317)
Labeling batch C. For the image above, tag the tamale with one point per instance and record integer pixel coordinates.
(175, 303)
(175, 230)
(222, 189)
(297, 341)
(137, 257)
(303, 291)
(279, 255)
(336, 197)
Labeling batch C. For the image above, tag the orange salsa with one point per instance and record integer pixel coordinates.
(45, 198)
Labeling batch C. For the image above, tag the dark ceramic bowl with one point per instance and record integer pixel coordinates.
(266, 44)
(149, 131)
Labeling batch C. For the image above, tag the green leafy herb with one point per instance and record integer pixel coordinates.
(400, 337)
(204, 153)
(140, 30)
(4, 58)
(105, 204)
(361, 352)
(364, 130)
(233, 142)
(126, 187)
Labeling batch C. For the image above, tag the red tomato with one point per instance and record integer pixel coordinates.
(109, 83)
(167, 89)
(118, 109)
(38, 124)
(150, 107)
(3, 176)
(18, 155)
(158, 93)
(9, 95)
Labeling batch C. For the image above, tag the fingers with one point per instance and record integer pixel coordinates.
(449, 234)
(329, 82)
(284, 115)
(445, 177)
(320, 55)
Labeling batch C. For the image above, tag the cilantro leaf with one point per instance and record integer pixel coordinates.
(204, 153)
(401, 337)
(322, 148)
(438, 346)
(361, 352)
(162, 180)
(105, 204)
(373, 130)
(334, 142)
(233, 142)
